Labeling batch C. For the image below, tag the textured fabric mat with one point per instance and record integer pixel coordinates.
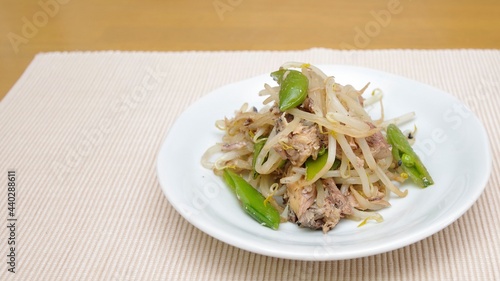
(82, 130)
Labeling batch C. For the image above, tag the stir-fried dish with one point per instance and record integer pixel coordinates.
(312, 154)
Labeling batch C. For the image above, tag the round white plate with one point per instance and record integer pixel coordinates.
(451, 141)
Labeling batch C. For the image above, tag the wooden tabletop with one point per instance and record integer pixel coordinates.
(30, 27)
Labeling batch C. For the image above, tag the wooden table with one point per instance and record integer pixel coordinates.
(27, 28)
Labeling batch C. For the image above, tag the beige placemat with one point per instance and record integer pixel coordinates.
(82, 131)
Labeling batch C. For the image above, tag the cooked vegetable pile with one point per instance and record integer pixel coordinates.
(312, 155)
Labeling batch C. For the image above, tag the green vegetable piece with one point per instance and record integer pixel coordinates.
(412, 173)
(257, 148)
(416, 177)
(293, 88)
(314, 166)
(278, 75)
(403, 153)
(252, 201)
(407, 160)
(229, 180)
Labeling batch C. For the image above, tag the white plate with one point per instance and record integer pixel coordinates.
(450, 140)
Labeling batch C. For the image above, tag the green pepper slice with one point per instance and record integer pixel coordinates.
(252, 200)
(293, 88)
(257, 148)
(314, 166)
(405, 156)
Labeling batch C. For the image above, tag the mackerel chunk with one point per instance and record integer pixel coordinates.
(379, 146)
(307, 213)
(299, 144)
